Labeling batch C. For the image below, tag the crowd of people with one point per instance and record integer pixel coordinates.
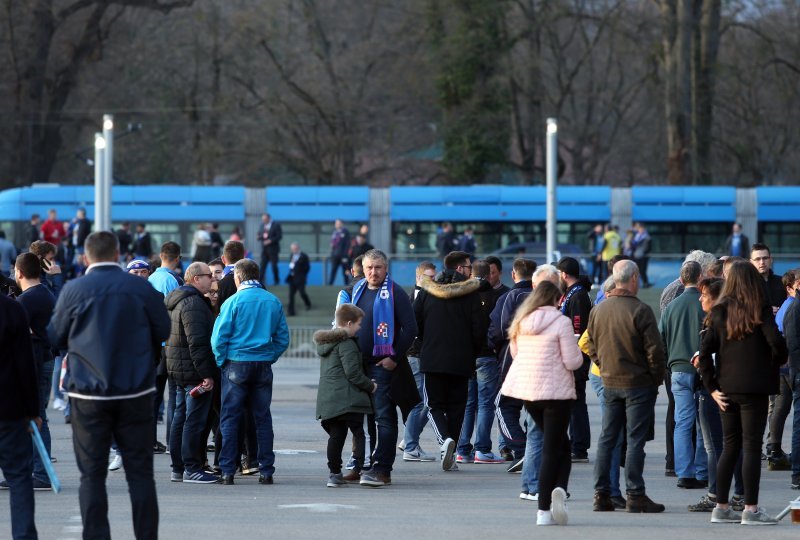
(459, 352)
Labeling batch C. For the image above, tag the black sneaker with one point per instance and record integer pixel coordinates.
(619, 502)
(227, 479)
(507, 454)
(580, 457)
(737, 503)
(691, 483)
(4, 485)
(38, 485)
(795, 482)
(516, 467)
(159, 448)
(670, 473)
(265, 479)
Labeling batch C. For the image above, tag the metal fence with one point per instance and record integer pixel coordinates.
(301, 352)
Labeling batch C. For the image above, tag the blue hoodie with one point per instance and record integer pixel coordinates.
(251, 327)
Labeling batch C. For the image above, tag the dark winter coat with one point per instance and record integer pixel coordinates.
(188, 348)
(500, 319)
(19, 390)
(299, 274)
(743, 366)
(774, 291)
(343, 385)
(791, 330)
(449, 324)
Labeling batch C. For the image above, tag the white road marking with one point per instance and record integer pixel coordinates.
(326, 508)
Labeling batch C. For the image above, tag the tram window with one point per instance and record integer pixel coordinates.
(781, 237)
(684, 237)
(305, 234)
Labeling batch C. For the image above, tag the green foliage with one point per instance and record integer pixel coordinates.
(469, 45)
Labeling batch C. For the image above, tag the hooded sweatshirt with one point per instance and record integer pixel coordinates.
(545, 354)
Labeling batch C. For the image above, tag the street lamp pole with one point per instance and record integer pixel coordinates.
(99, 184)
(108, 171)
(552, 173)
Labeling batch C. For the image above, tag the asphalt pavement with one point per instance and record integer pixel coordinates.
(423, 502)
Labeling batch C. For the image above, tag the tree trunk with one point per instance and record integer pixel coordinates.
(704, 86)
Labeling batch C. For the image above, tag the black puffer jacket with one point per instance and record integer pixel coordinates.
(188, 349)
(450, 324)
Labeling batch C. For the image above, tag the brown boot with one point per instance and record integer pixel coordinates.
(641, 504)
(602, 502)
(353, 477)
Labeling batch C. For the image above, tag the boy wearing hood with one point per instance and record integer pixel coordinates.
(452, 331)
(343, 395)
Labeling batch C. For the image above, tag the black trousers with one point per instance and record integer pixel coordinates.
(293, 290)
(446, 400)
(130, 421)
(743, 425)
(552, 417)
(269, 256)
(337, 428)
(642, 264)
(670, 421)
(161, 384)
(212, 423)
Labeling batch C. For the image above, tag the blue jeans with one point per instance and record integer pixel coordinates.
(172, 390)
(15, 461)
(634, 408)
(45, 376)
(57, 393)
(533, 456)
(418, 416)
(616, 455)
(246, 382)
(385, 418)
(796, 424)
(483, 388)
(186, 431)
(685, 416)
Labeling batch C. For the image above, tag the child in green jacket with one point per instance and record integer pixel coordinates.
(343, 397)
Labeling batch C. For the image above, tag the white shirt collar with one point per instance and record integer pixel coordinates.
(95, 265)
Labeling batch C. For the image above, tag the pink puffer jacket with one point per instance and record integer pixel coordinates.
(545, 354)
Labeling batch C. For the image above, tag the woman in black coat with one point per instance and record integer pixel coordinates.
(740, 353)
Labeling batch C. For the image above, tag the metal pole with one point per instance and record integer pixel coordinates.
(99, 172)
(108, 174)
(552, 172)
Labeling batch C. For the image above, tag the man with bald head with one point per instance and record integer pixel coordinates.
(191, 364)
(625, 343)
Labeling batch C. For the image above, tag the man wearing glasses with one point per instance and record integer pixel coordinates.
(774, 291)
(191, 365)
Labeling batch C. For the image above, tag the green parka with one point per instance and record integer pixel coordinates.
(343, 386)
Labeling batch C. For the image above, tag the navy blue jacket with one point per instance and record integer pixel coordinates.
(111, 323)
(500, 320)
(19, 392)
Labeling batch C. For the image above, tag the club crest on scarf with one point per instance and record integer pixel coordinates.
(382, 316)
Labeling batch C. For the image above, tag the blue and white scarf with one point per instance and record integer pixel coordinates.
(250, 284)
(382, 316)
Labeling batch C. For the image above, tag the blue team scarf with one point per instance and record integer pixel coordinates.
(382, 316)
(567, 298)
(250, 284)
(227, 270)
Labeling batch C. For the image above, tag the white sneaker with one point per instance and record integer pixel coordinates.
(116, 463)
(558, 506)
(448, 451)
(417, 455)
(59, 404)
(401, 445)
(544, 517)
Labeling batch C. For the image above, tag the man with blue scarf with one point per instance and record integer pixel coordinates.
(387, 332)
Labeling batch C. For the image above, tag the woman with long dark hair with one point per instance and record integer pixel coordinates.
(741, 332)
(545, 354)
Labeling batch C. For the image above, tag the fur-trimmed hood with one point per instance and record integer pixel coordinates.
(449, 290)
(326, 340)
